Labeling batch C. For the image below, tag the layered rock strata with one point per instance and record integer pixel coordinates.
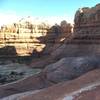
(85, 38)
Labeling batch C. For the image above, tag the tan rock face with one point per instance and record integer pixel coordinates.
(28, 38)
(22, 43)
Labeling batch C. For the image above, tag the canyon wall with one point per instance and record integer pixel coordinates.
(85, 39)
(24, 43)
(25, 38)
(87, 31)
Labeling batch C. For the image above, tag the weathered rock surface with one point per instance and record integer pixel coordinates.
(85, 39)
(87, 24)
(34, 82)
(70, 68)
(67, 90)
(64, 70)
(90, 94)
(88, 17)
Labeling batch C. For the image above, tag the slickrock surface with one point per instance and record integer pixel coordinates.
(70, 68)
(92, 94)
(68, 90)
(26, 84)
(65, 69)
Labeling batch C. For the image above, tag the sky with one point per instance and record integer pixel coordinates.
(53, 10)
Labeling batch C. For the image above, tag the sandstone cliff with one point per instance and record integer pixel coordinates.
(85, 38)
(30, 38)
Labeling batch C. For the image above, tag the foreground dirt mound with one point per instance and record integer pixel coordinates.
(68, 90)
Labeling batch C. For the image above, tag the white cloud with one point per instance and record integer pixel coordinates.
(53, 19)
(10, 17)
(58, 19)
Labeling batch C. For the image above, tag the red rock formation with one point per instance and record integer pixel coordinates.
(85, 39)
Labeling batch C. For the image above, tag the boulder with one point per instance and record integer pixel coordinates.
(70, 68)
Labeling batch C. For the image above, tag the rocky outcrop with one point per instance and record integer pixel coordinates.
(70, 68)
(88, 17)
(85, 38)
(87, 23)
